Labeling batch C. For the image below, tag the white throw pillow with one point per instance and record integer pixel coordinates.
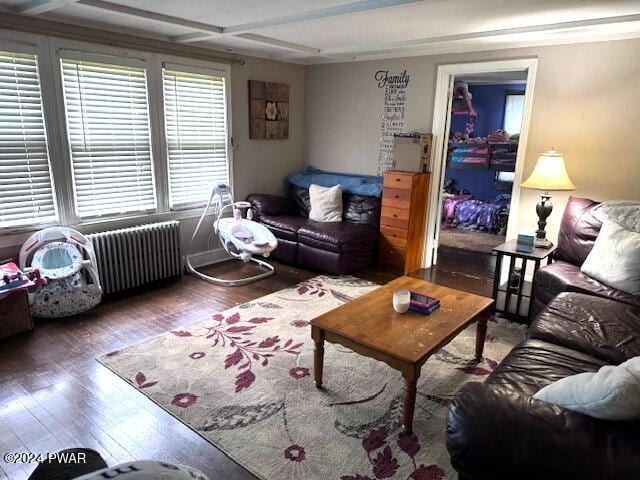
(611, 393)
(615, 258)
(326, 203)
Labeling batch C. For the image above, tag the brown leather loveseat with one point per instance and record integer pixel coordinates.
(337, 248)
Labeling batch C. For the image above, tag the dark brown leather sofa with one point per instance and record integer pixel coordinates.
(578, 231)
(336, 248)
(496, 430)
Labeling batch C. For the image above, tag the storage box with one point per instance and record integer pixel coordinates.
(15, 316)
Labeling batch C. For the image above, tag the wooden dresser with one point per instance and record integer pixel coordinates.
(405, 198)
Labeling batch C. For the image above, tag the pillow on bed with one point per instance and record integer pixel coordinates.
(615, 258)
(326, 203)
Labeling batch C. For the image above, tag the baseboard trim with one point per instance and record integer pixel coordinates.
(208, 257)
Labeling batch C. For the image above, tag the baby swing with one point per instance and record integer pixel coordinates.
(64, 265)
(242, 238)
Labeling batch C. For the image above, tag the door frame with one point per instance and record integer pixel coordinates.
(441, 123)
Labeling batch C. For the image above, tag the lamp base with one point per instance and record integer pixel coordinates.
(542, 243)
(543, 209)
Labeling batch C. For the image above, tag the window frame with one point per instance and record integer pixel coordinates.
(26, 46)
(220, 70)
(78, 56)
(48, 50)
(507, 94)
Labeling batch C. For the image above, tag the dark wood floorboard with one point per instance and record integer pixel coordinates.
(462, 269)
(54, 395)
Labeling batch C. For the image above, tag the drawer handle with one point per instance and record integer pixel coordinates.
(395, 215)
(397, 196)
(397, 179)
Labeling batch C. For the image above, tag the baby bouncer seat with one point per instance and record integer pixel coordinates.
(242, 238)
(71, 270)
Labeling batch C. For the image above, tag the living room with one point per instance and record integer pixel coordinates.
(220, 228)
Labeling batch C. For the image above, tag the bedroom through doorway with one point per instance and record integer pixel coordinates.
(479, 160)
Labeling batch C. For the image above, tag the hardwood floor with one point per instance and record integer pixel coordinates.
(462, 269)
(54, 395)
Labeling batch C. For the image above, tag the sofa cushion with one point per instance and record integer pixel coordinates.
(284, 226)
(338, 237)
(301, 198)
(265, 204)
(566, 277)
(593, 325)
(496, 433)
(578, 230)
(534, 364)
(361, 209)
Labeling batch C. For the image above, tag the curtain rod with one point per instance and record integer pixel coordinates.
(21, 23)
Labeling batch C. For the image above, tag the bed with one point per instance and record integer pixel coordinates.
(463, 211)
(499, 156)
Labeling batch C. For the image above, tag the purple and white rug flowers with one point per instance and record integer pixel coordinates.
(243, 380)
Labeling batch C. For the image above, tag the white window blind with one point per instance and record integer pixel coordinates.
(26, 191)
(513, 110)
(196, 131)
(108, 127)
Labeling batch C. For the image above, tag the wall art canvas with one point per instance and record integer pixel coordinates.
(268, 110)
(394, 86)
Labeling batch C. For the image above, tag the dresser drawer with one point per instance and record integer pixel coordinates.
(394, 236)
(398, 180)
(389, 254)
(396, 198)
(394, 217)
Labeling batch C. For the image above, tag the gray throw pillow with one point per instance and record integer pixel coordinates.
(615, 258)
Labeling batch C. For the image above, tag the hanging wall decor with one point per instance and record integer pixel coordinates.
(268, 110)
(395, 96)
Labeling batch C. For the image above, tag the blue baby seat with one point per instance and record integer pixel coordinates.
(71, 270)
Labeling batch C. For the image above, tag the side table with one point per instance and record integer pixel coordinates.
(513, 294)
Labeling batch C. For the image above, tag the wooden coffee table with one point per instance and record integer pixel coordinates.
(370, 327)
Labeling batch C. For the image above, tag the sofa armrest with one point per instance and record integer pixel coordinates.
(494, 432)
(273, 205)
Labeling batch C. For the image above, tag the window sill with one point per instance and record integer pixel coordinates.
(10, 237)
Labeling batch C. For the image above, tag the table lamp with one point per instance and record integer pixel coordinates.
(548, 175)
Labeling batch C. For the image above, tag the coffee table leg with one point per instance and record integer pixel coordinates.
(318, 354)
(481, 334)
(410, 383)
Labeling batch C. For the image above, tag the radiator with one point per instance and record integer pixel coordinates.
(131, 257)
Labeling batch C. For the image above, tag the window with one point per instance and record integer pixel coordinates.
(108, 129)
(196, 134)
(26, 189)
(513, 109)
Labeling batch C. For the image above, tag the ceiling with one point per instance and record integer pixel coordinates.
(325, 31)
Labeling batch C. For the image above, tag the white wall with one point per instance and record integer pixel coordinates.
(585, 105)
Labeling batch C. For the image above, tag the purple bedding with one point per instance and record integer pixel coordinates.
(449, 206)
(474, 214)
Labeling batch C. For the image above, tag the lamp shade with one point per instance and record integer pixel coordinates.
(549, 174)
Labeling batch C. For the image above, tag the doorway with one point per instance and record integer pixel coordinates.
(481, 118)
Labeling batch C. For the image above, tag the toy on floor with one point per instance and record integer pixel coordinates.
(12, 278)
(70, 268)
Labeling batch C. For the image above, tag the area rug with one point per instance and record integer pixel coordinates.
(243, 380)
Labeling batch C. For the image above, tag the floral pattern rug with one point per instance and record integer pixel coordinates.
(243, 380)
